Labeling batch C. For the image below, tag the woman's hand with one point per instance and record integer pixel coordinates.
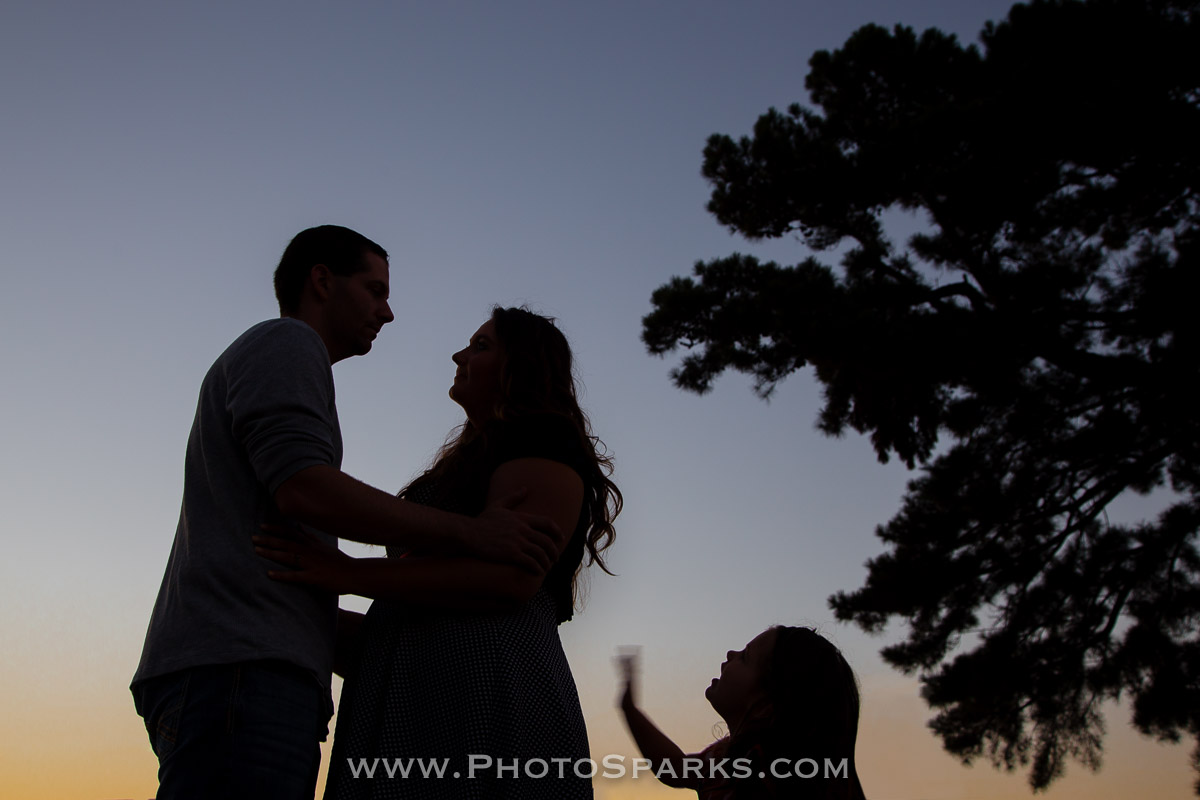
(312, 561)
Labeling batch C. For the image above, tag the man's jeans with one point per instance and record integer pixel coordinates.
(235, 730)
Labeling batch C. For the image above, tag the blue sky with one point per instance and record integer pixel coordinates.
(156, 159)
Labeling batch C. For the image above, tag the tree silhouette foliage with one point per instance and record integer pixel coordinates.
(1034, 350)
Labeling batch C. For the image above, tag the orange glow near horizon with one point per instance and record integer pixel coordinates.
(92, 746)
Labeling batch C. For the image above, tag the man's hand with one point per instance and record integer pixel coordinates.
(531, 542)
(312, 562)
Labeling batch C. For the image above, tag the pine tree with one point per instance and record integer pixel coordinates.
(1034, 351)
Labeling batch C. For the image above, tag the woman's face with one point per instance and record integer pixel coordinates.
(737, 691)
(477, 381)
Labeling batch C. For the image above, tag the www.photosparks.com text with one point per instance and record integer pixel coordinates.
(611, 766)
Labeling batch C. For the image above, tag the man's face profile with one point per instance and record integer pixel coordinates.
(358, 307)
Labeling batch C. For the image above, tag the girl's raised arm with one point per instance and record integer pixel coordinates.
(666, 758)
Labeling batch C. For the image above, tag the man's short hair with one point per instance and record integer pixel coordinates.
(342, 250)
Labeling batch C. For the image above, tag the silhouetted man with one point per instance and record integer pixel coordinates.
(234, 680)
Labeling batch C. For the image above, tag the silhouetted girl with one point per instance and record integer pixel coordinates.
(790, 702)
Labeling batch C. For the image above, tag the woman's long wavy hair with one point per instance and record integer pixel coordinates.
(811, 711)
(537, 378)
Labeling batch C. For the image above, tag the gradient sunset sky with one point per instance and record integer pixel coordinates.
(156, 159)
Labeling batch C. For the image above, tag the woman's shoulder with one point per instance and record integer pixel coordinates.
(550, 436)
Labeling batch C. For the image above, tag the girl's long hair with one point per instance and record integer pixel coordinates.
(811, 712)
(536, 378)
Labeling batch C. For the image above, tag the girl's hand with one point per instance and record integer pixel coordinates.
(627, 665)
(312, 561)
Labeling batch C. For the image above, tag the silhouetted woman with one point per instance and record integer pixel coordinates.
(459, 685)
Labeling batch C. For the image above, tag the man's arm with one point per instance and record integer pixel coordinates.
(555, 493)
(280, 402)
(332, 501)
(432, 583)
